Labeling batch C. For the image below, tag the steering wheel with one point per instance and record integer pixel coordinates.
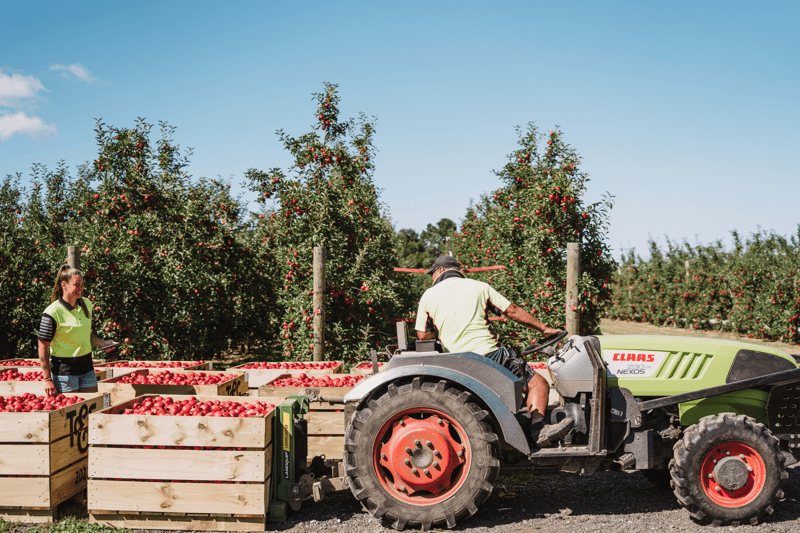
(547, 342)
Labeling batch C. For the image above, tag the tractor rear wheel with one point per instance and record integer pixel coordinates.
(421, 455)
(728, 469)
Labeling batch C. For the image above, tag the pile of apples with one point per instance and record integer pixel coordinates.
(13, 375)
(166, 406)
(28, 402)
(299, 365)
(175, 378)
(161, 364)
(20, 362)
(302, 380)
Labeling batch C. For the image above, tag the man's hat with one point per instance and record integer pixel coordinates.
(445, 261)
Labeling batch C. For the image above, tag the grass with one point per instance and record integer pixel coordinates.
(68, 524)
(73, 519)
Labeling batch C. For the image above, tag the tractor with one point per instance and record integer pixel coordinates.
(718, 420)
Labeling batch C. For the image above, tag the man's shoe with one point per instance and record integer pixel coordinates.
(551, 433)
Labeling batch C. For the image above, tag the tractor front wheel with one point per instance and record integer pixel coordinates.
(421, 455)
(727, 470)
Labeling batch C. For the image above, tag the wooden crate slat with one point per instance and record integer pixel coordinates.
(325, 422)
(49, 426)
(16, 388)
(68, 450)
(328, 392)
(26, 427)
(313, 406)
(43, 492)
(167, 497)
(137, 430)
(69, 481)
(25, 492)
(24, 460)
(28, 516)
(178, 523)
(179, 465)
(109, 428)
(332, 447)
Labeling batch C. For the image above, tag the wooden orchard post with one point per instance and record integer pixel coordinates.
(319, 303)
(74, 257)
(573, 273)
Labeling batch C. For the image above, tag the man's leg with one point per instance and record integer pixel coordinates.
(538, 396)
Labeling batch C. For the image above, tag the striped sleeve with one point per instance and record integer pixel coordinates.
(496, 302)
(47, 328)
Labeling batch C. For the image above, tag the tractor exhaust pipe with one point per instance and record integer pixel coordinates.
(626, 462)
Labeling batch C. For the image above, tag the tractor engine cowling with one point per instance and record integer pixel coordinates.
(571, 368)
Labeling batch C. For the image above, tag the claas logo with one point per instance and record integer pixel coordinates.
(635, 357)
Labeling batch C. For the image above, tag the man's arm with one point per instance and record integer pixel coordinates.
(426, 335)
(521, 316)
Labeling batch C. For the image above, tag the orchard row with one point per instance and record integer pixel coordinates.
(751, 290)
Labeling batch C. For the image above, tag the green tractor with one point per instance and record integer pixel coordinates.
(718, 420)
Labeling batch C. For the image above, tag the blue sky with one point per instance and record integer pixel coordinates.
(686, 112)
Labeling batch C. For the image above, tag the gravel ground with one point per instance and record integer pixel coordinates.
(556, 502)
(552, 502)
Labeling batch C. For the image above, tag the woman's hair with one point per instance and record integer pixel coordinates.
(65, 273)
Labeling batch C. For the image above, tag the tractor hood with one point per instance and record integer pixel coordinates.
(666, 365)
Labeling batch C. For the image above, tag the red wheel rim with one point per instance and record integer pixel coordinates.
(421, 456)
(741, 472)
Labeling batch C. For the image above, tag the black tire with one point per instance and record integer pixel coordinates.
(755, 464)
(376, 449)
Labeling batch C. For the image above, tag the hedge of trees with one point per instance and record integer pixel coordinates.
(751, 289)
(178, 267)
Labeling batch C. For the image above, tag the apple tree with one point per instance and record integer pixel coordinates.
(163, 256)
(525, 226)
(328, 199)
(25, 279)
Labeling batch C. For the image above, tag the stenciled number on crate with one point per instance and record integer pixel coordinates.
(81, 475)
(79, 427)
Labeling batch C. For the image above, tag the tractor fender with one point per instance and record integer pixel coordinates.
(496, 387)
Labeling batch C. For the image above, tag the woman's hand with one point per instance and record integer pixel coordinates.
(50, 388)
(101, 343)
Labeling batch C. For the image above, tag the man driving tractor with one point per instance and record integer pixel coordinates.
(456, 311)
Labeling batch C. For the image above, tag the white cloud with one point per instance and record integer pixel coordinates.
(24, 125)
(15, 89)
(77, 70)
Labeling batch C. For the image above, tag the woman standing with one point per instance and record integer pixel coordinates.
(65, 333)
